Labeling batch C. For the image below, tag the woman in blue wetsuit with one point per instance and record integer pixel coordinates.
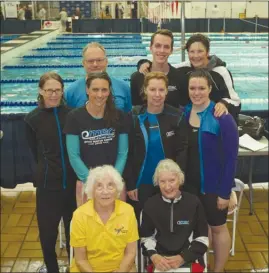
(211, 161)
(97, 133)
(55, 179)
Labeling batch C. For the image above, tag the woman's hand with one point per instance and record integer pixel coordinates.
(220, 109)
(222, 203)
(232, 202)
(144, 68)
(160, 262)
(133, 195)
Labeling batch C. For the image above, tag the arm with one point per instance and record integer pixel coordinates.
(135, 90)
(229, 150)
(229, 97)
(128, 174)
(82, 259)
(181, 142)
(128, 258)
(31, 139)
(128, 103)
(142, 61)
(199, 243)
(122, 152)
(73, 149)
(79, 241)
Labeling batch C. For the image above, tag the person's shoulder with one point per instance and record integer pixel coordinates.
(119, 84)
(190, 198)
(76, 111)
(32, 115)
(137, 76)
(153, 201)
(173, 111)
(184, 65)
(75, 84)
(226, 119)
(125, 207)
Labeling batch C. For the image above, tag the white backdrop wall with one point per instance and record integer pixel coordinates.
(227, 9)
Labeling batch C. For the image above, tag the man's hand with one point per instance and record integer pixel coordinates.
(220, 109)
(175, 261)
(144, 68)
(222, 203)
(133, 195)
(160, 262)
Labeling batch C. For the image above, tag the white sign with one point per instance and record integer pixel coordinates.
(52, 24)
(11, 9)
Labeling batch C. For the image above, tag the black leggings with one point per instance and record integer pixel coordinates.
(51, 206)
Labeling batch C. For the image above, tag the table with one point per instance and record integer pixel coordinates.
(251, 154)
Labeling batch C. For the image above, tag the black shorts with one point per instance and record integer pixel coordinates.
(215, 217)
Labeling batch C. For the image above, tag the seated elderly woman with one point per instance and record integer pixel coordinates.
(104, 230)
(169, 219)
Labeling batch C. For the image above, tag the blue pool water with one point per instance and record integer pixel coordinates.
(246, 56)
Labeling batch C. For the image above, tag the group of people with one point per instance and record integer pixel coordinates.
(172, 138)
(25, 12)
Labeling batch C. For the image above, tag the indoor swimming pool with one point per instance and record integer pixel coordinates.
(246, 56)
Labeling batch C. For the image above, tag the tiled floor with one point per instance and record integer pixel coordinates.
(21, 250)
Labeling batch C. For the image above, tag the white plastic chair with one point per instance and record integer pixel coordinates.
(239, 188)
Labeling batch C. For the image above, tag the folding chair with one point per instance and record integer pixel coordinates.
(239, 188)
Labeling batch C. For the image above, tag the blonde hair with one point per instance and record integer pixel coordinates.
(170, 166)
(92, 45)
(96, 174)
(150, 76)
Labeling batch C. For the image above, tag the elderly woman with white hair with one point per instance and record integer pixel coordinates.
(104, 229)
(169, 219)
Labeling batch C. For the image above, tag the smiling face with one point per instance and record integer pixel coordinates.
(94, 60)
(52, 92)
(169, 184)
(98, 92)
(161, 48)
(198, 55)
(156, 92)
(199, 91)
(105, 192)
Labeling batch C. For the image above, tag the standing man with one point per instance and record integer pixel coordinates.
(21, 13)
(42, 13)
(95, 60)
(161, 47)
(63, 18)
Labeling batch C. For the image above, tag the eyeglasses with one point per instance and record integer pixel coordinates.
(51, 91)
(97, 61)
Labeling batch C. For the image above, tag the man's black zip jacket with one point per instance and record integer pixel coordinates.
(45, 137)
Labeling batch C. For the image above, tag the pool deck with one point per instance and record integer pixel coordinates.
(23, 39)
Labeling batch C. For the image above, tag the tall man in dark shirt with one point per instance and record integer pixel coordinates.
(161, 47)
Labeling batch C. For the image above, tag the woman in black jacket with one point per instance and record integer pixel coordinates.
(159, 132)
(55, 180)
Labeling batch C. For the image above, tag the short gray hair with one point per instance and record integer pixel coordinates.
(92, 45)
(170, 166)
(98, 173)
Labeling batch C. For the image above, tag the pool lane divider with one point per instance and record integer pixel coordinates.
(79, 48)
(77, 56)
(60, 66)
(37, 80)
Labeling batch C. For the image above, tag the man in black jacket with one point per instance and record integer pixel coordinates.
(161, 47)
(170, 218)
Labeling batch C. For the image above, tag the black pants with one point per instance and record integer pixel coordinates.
(51, 206)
